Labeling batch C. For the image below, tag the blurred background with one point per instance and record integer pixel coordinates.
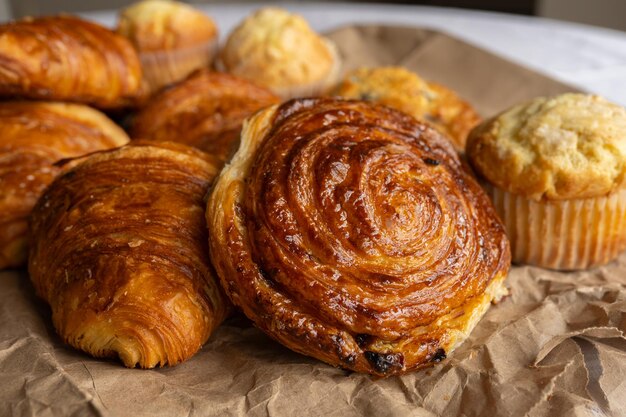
(607, 13)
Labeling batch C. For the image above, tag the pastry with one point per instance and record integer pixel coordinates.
(278, 50)
(555, 169)
(350, 232)
(205, 111)
(33, 136)
(119, 251)
(173, 39)
(68, 59)
(406, 91)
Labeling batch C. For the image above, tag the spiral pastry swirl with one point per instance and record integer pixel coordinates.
(352, 233)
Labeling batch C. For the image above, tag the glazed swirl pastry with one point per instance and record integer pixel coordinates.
(350, 232)
(120, 253)
(68, 59)
(205, 111)
(33, 136)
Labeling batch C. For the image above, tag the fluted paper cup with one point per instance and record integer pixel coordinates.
(162, 68)
(566, 235)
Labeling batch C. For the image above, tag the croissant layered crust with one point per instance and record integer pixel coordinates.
(120, 253)
(33, 136)
(205, 111)
(69, 59)
(350, 232)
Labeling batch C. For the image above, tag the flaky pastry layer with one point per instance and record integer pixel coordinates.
(68, 59)
(205, 111)
(119, 251)
(35, 135)
(351, 233)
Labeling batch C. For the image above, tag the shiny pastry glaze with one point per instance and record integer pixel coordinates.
(69, 59)
(33, 136)
(357, 237)
(205, 111)
(119, 251)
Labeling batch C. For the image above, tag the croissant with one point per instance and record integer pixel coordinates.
(68, 59)
(205, 111)
(119, 251)
(351, 232)
(33, 136)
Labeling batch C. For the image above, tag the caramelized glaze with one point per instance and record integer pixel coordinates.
(33, 136)
(205, 111)
(119, 251)
(352, 233)
(69, 59)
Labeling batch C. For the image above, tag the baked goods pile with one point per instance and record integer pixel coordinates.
(361, 220)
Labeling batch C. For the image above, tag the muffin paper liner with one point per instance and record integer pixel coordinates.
(162, 68)
(565, 235)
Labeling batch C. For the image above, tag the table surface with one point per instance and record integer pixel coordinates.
(591, 58)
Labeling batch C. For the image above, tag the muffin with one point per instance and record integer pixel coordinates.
(405, 91)
(279, 50)
(555, 169)
(173, 39)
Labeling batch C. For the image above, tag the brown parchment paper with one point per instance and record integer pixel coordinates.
(554, 347)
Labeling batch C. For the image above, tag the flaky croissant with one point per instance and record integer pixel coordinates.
(68, 59)
(351, 232)
(205, 111)
(33, 136)
(119, 251)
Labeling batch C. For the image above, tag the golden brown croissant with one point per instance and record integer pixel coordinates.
(350, 232)
(120, 253)
(33, 136)
(205, 111)
(69, 59)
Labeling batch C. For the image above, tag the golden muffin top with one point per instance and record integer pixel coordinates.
(404, 90)
(278, 49)
(155, 25)
(564, 147)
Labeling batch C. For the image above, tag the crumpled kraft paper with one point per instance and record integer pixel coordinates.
(554, 347)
